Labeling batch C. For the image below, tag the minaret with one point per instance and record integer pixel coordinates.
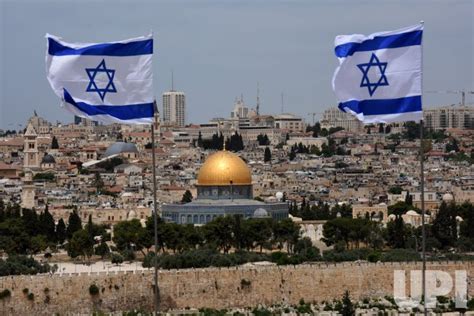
(258, 100)
(28, 191)
(30, 151)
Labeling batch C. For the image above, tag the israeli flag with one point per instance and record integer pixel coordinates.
(379, 76)
(107, 82)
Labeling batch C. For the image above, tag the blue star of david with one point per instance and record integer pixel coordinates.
(92, 86)
(365, 82)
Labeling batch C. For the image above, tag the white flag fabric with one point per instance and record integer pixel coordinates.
(379, 76)
(107, 82)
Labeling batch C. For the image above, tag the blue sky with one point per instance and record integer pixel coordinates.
(219, 49)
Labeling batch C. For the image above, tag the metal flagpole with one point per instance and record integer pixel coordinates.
(155, 219)
(423, 232)
(422, 187)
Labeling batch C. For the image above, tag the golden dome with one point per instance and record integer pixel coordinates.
(223, 167)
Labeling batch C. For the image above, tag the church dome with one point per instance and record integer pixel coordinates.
(448, 197)
(260, 213)
(48, 159)
(120, 147)
(224, 168)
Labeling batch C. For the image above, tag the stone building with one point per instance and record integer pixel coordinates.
(31, 153)
(445, 117)
(374, 212)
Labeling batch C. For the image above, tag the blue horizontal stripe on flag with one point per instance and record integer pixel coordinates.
(380, 42)
(385, 106)
(122, 112)
(144, 47)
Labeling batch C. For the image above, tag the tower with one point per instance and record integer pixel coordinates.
(28, 192)
(174, 106)
(31, 154)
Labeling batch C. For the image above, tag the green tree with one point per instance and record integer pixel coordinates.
(199, 140)
(38, 243)
(399, 208)
(306, 251)
(352, 231)
(259, 233)
(381, 128)
(14, 238)
(286, 232)
(98, 183)
(74, 224)
(61, 233)
(128, 235)
(292, 154)
(347, 306)
(452, 145)
(267, 155)
(409, 199)
(396, 233)
(395, 190)
(47, 226)
(116, 258)
(54, 143)
(102, 250)
(80, 245)
(219, 233)
(263, 140)
(444, 226)
(187, 197)
(30, 222)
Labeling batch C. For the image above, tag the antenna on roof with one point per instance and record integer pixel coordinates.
(282, 104)
(172, 80)
(258, 99)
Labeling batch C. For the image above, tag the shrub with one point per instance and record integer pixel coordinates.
(128, 255)
(244, 283)
(348, 255)
(31, 296)
(470, 304)
(261, 312)
(25, 291)
(15, 265)
(116, 258)
(201, 258)
(93, 289)
(5, 293)
(442, 299)
(374, 256)
(401, 255)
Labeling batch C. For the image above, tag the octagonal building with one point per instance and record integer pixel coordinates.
(224, 188)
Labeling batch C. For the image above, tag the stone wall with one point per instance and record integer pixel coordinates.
(213, 287)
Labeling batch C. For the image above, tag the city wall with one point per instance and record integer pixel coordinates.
(212, 287)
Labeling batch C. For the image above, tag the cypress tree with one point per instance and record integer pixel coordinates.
(61, 231)
(54, 143)
(267, 155)
(47, 226)
(199, 141)
(74, 224)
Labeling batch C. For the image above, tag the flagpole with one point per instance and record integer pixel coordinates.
(155, 219)
(422, 187)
